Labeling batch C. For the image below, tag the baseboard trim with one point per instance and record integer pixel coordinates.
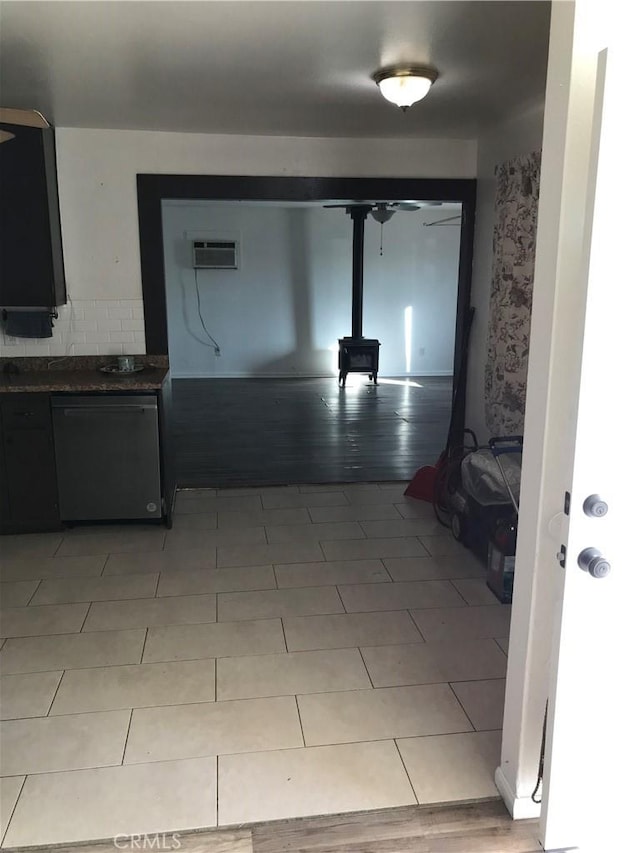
(333, 375)
(230, 375)
(561, 850)
(520, 808)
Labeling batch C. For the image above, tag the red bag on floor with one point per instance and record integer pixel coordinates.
(422, 486)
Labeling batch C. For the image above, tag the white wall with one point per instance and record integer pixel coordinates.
(418, 269)
(98, 201)
(86, 327)
(97, 184)
(283, 311)
(520, 135)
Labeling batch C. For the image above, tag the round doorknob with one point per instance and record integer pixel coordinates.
(592, 561)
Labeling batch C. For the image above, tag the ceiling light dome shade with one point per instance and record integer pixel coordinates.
(404, 86)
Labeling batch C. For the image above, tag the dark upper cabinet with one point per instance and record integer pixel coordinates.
(31, 264)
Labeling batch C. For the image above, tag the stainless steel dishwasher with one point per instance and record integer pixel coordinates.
(107, 456)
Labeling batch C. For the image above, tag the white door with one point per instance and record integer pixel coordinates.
(592, 766)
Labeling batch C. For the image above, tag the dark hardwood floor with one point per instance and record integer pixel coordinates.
(253, 432)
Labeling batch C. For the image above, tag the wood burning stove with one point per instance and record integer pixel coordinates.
(358, 354)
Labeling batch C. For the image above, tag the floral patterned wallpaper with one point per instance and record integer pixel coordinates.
(514, 246)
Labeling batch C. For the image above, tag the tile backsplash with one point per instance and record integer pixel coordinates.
(86, 327)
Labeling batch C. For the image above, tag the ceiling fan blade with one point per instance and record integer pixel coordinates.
(446, 220)
(405, 205)
(349, 204)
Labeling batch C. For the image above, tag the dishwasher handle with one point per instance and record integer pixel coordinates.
(82, 411)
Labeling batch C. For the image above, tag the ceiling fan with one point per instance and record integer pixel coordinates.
(381, 211)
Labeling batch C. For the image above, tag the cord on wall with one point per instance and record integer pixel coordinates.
(214, 344)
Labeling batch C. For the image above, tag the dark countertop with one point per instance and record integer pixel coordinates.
(149, 379)
(79, 374)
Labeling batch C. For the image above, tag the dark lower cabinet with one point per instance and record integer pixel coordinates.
(29, 494)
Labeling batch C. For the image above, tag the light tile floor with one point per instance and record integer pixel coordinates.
(281, 652)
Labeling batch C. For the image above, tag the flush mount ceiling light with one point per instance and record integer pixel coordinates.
(403, 85)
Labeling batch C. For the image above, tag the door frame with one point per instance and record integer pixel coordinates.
(153, 189)
(548, 644)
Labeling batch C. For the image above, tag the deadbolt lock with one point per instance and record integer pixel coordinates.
(595, 507)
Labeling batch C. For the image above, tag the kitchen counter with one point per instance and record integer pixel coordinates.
(55, 381)
(79, 374)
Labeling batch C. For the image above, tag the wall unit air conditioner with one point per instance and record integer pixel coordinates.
(215, 254)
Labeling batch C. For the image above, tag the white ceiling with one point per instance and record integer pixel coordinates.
(298, 68)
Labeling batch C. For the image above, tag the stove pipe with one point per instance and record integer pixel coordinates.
(358, 214)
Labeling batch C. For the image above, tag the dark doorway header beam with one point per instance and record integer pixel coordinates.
(265, 188)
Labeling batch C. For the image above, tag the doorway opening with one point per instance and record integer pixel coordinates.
(281, 312)
(253, 345)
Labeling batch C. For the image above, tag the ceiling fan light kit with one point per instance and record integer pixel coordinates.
(404, 85)
(382, 214)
